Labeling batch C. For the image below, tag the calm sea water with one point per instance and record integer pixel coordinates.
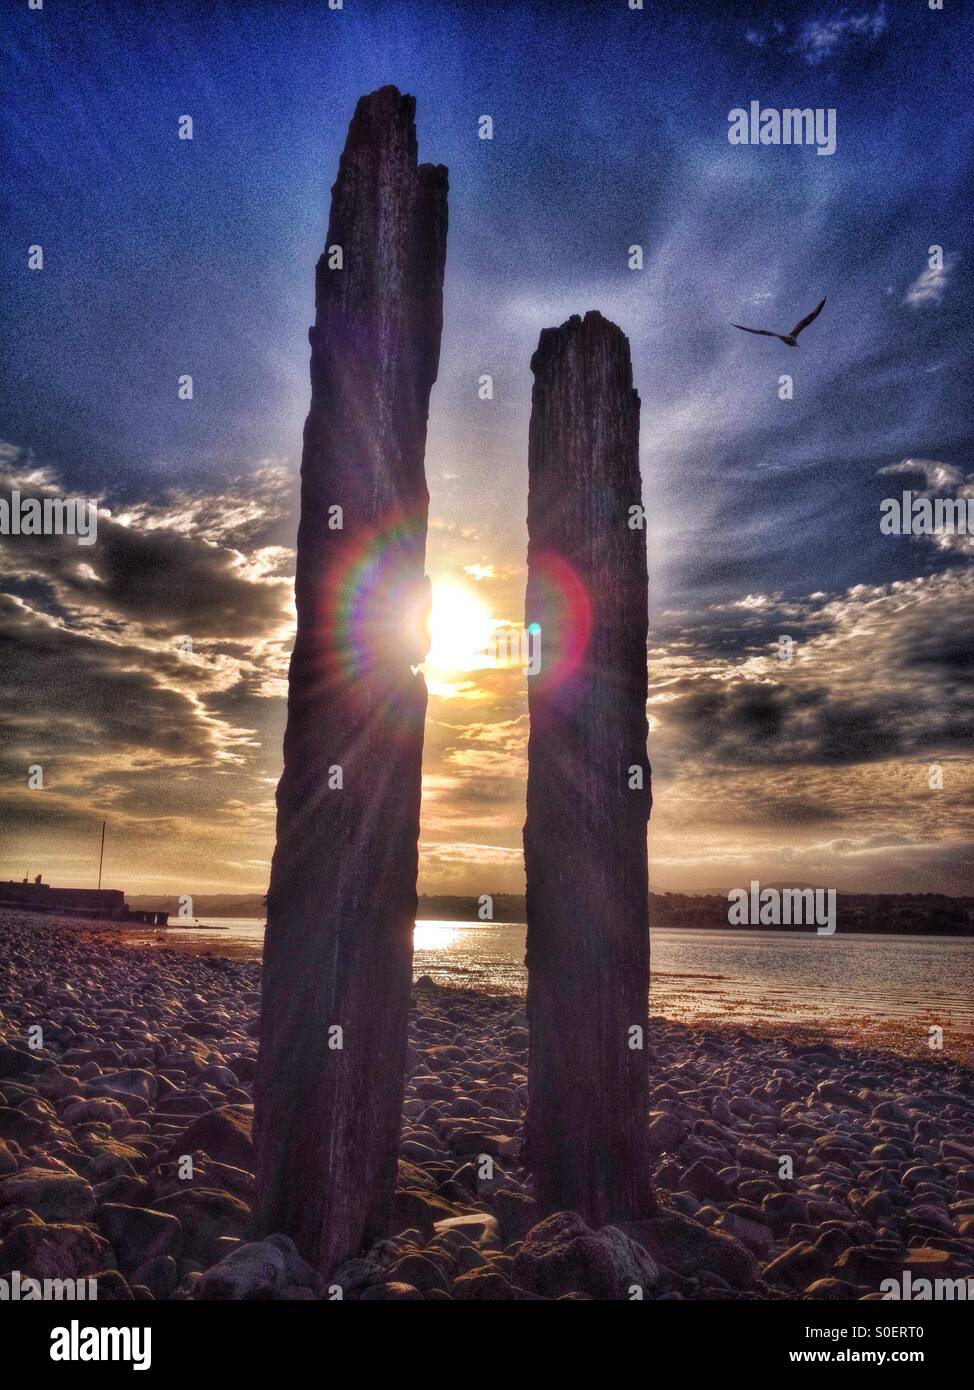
(887, 990)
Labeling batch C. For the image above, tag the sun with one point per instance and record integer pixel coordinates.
(460, 628)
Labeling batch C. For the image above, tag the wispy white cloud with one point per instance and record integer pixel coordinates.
(931, 286)
(822, 37)
(819, 39)
(936, 475)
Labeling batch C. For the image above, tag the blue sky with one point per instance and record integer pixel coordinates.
(610, 129)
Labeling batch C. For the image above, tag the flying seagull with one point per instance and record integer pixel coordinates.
(790, 339)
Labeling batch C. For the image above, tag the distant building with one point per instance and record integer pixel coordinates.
(102, 903)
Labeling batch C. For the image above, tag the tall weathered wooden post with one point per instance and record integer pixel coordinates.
(589, 796)
(342, 899)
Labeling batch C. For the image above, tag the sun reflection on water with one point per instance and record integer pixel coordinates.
(435, 936)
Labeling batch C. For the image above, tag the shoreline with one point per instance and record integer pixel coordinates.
(895, 1031)
(149, 1054)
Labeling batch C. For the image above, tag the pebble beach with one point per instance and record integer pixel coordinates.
(783, 1167)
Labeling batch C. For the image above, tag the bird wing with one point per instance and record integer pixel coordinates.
(765, 332)
(803, 323)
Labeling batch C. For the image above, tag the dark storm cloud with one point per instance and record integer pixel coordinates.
(70, 696)
(95, 690)
(171, 582)
(852, 692)
(754, 725)
(79, 706)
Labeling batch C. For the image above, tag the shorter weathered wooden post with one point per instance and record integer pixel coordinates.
(588, 797)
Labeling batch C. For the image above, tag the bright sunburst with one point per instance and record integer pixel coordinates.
(460, 628)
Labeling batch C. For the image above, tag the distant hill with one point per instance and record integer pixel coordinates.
(882, 914)
(887, 914)
(508, 907)
(204, 904)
